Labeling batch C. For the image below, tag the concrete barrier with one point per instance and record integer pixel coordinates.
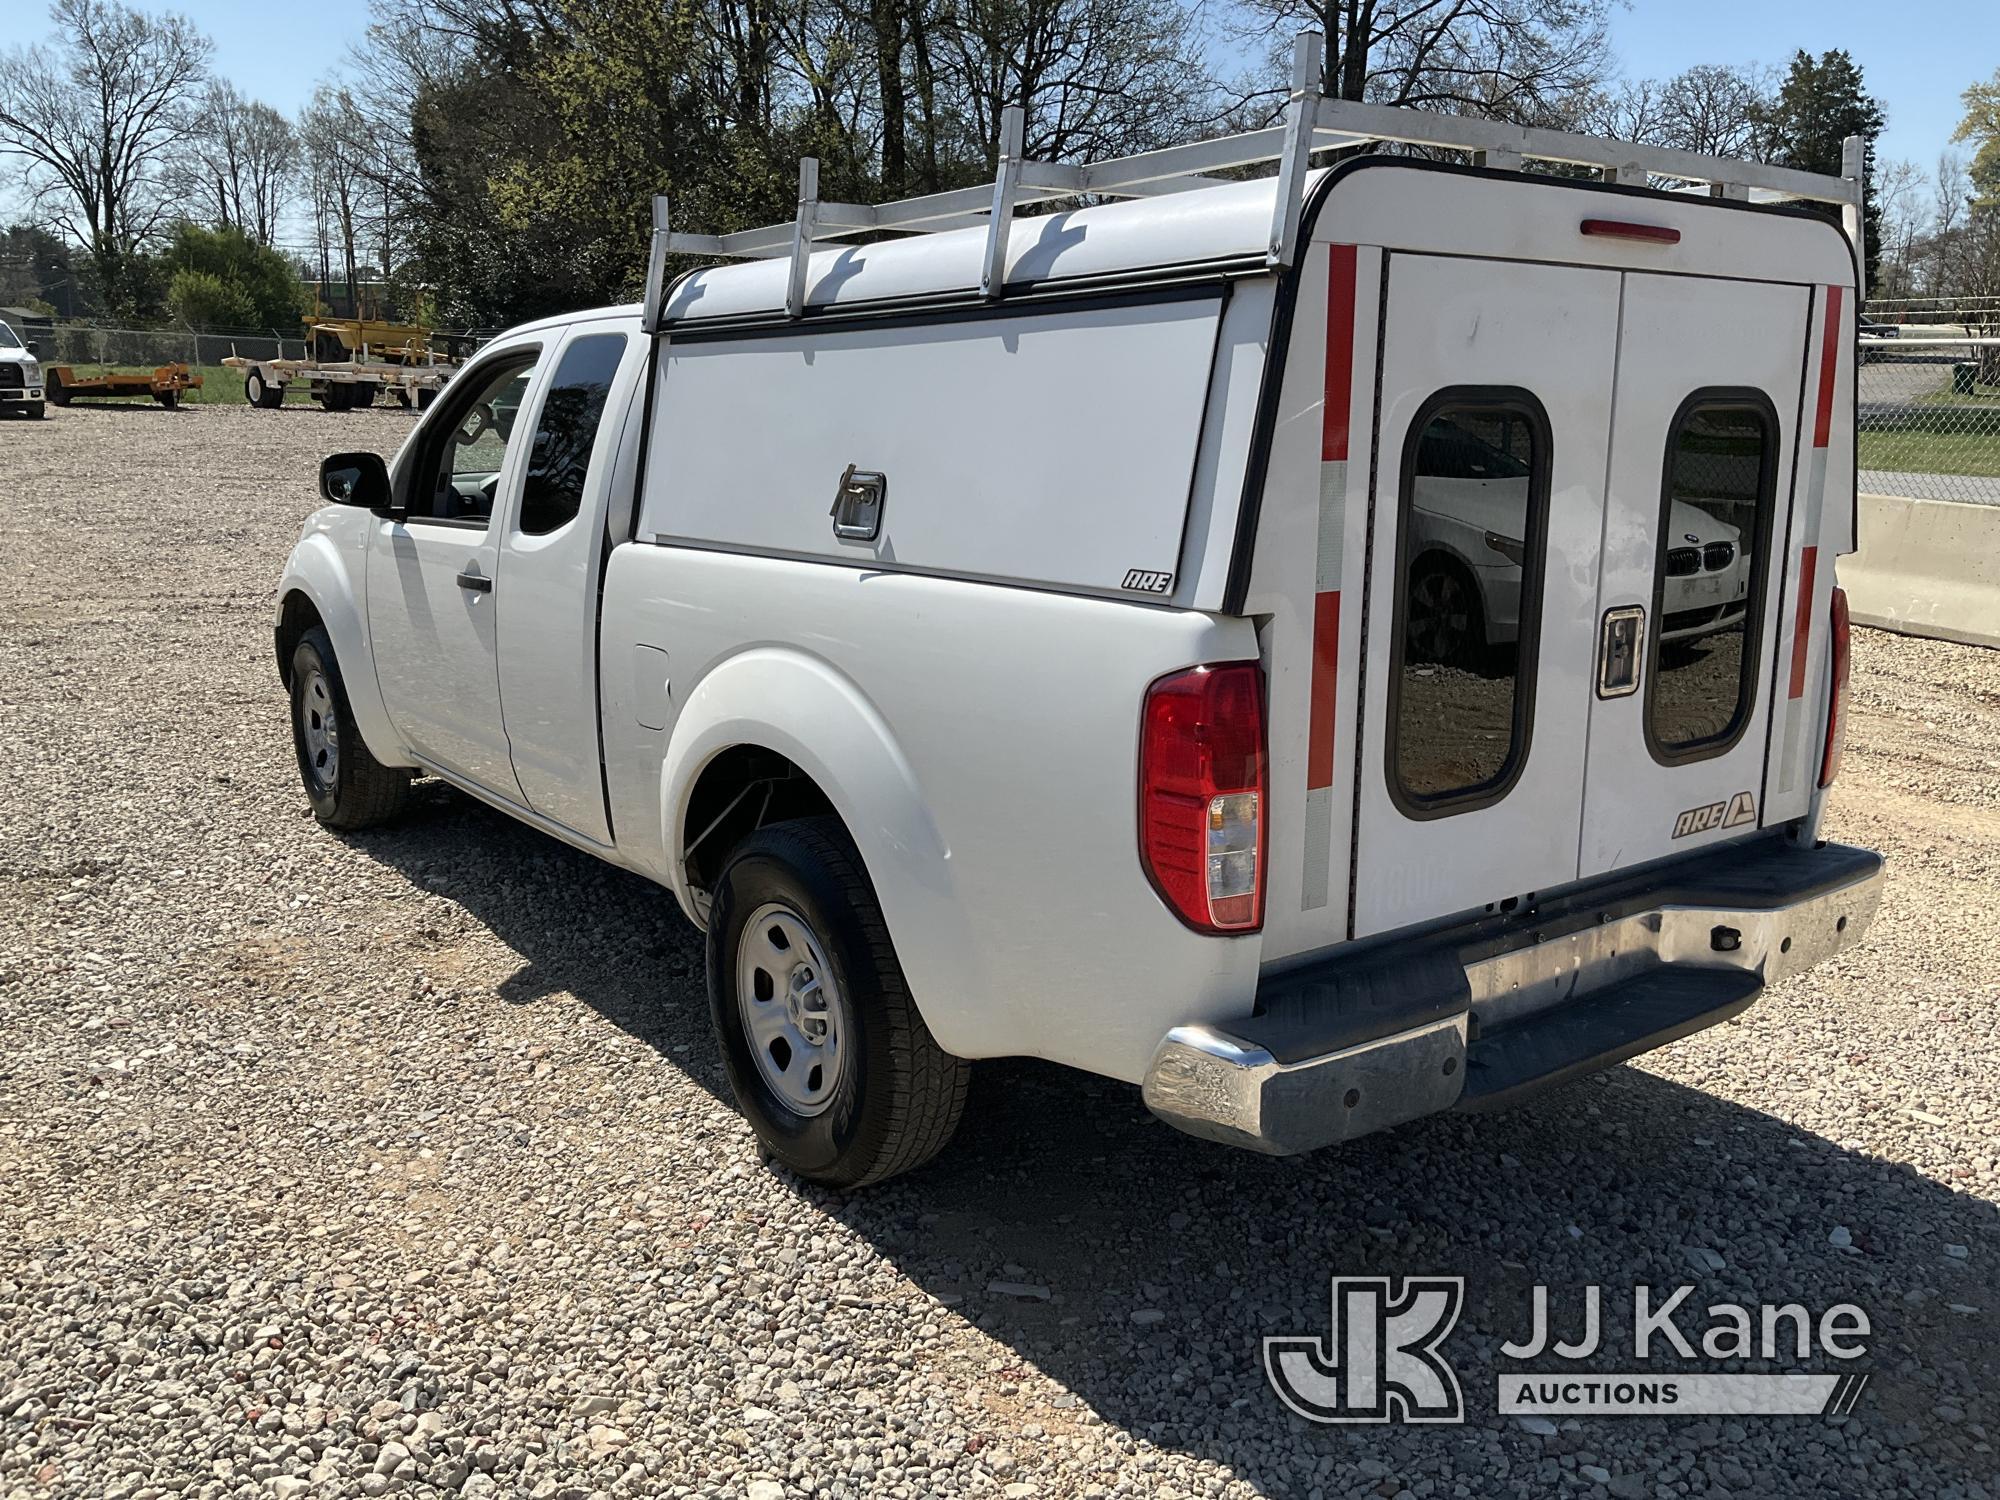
(1927, 567)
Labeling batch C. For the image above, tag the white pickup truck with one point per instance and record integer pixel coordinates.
(1023, 637)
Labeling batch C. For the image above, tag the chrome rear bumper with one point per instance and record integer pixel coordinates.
(1601, 977)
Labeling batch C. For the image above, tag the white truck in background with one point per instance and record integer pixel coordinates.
(1022, 638)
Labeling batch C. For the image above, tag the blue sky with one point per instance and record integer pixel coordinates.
(1917, 56)
(1917, 66)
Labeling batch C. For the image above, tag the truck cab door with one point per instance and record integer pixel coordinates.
(552, 548)
(432, 575)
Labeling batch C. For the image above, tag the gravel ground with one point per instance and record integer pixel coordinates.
(397, 1164)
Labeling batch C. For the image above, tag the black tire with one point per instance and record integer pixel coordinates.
(898, 1095)
(37, 410)
(363, 395)
(168, 399)
(54, 390)
(334, 396)
(360, 791)
(261, 394)
(426, 394)
(1444, 619)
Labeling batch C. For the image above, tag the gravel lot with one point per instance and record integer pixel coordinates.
(397, 1164)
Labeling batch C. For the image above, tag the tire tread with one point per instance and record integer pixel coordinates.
(927, 1086)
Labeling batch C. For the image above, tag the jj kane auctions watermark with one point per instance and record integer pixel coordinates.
(1383, 1357)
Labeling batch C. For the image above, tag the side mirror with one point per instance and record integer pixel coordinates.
(355, 479)
(34, 348)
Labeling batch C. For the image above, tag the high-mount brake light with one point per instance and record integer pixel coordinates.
(1202, 795)
(1625, 229)
(1836, 709)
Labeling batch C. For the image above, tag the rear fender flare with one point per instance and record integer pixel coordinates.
(803, 708)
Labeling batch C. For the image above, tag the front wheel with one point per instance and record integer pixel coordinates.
(168, 399)
(347, 787)
(826, 1052)
(37, 410)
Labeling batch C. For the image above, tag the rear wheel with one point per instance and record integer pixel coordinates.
(168, 399)
(334, 396)
(347, 787)
(1443, 621)
(826, 1052)
(54, 390)
(260, 393)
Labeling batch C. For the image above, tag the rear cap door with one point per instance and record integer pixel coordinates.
(1697, 518)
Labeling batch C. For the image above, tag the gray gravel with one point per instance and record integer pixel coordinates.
(398, 1165)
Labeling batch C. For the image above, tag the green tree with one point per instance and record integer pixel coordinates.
(1819, 103)
(39, 267)
(1981, 126)
(203, 300)
(222, 278)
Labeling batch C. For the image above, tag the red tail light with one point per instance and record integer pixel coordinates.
(1201, 795)
(1836, 713)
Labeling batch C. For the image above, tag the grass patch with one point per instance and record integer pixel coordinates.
(1918, 452)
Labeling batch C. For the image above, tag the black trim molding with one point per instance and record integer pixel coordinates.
(1716, 398)
(1512, 400)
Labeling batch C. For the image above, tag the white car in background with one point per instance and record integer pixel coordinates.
(1466, 553)
(20, 376)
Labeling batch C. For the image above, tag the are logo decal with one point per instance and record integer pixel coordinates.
(1147, 581)
(1738, 810)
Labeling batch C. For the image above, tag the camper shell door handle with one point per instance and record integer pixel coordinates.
(857, 505)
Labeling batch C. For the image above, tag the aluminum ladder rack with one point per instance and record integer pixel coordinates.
(1313, 122)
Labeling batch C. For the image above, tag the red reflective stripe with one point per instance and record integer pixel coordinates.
(1829, 364)
(1325, 677)
(1339, 352)
(1802, 625)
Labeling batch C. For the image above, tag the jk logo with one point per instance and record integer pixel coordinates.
(1379, 1362)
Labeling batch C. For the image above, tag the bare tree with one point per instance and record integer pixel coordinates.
(1714, 110)
(1537, 61)
(1095, 77)
(336, 185)
(238, 171)
(1899, 190)
(95, 117)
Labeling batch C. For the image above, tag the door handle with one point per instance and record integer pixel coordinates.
(1621, 651)
(479, 583)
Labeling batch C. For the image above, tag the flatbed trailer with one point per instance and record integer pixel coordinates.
(342, 385)
(164, 384)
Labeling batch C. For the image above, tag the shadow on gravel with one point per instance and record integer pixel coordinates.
(1063, 1181)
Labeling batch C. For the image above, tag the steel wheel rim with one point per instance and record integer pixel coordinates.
(319, 729)
(795, 1019)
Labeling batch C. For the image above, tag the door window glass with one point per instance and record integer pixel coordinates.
(462, 460)
(559, 465)
(1473, 511)
(1714, 522)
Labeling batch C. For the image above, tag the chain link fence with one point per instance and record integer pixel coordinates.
(142, 348)
(1928, 406)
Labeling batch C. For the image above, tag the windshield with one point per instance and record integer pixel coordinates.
(8, 338)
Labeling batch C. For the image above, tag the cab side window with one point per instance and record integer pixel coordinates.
(559, 465)
(458, 476)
